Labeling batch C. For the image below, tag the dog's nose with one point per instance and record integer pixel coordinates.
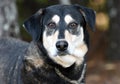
(62, 45)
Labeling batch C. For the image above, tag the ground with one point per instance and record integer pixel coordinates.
(103, 73)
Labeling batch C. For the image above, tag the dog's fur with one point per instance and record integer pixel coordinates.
(60, 43)
(11, 56)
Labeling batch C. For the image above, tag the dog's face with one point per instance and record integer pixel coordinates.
(61, 29)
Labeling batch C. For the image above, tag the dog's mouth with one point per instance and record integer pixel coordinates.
(64, 59)
(64, 53)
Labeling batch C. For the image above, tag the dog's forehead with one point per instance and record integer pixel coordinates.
(67, 18)
(62, 9)
(59, 13)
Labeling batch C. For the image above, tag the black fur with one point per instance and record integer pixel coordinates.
(88, 14)
(34, 25)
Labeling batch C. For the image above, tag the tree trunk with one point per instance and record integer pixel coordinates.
(66, 2)
(8, 19)
(114, 31)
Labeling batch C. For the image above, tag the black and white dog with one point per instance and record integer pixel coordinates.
(61, 35)
(60, 43)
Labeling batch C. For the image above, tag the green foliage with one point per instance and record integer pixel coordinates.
(37, 1)
(42, 1)
(19, 1)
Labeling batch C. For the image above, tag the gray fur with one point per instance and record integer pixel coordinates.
(11, 55)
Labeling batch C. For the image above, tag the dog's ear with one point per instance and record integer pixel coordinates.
(89, 15)
(33, 25)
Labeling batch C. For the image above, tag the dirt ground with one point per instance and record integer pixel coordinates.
(103, 73)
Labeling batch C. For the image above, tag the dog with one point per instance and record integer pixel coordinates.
(62, 39)
(57, 54)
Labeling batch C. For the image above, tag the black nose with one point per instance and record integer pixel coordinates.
(62, 45)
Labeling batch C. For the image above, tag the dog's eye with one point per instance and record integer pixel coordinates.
(73, 25)
(51, 25)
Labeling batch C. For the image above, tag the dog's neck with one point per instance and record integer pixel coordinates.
(78, 81)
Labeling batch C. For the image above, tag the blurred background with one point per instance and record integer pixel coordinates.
(103, 57)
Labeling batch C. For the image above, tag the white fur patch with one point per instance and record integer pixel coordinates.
(65, 61)
(49, 43)
(68, 19)
(56, 19)
(77, 47)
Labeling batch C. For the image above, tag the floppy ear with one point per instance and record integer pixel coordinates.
(33, 25)
(89, 15)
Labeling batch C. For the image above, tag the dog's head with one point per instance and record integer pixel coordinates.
(62, 31)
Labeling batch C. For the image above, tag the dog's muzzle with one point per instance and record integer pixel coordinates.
(62, 46)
